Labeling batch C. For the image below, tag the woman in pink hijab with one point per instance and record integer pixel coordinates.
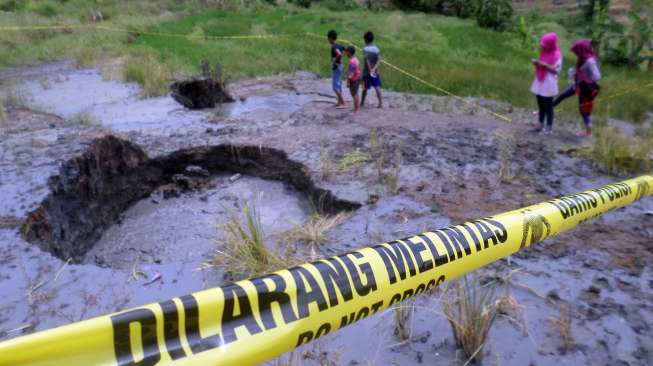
(584, 79)
(545, 85)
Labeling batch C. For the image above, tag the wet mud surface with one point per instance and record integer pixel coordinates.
(428, 162)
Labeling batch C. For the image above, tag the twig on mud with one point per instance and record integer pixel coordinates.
(32, 289)
(136, 273)
(23, 327)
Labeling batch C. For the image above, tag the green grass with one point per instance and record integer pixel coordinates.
(453, 53)
(618, 154)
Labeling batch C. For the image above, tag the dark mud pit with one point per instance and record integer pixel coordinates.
(422, 163)
(92, 190)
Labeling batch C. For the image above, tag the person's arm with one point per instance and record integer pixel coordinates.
(338, 56)
(378, 61)
(551, 68)
(357, 73)
(592, 69)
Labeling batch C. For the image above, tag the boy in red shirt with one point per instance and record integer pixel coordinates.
(353, 76)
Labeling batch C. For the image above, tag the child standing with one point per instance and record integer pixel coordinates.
(353, 75)
(545, 85)
(585, 76)
(371, 78)
(336, 67)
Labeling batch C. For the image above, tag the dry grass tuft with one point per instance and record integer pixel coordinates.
(618, 154)
(353, 160)
(562, 325)
(403, 315)
(326, 163)
(505, 143)
(153, 76)
(377, 151)
(245, 253)
(3, 114)
(470, 308)
(314, 231)
(84, 119)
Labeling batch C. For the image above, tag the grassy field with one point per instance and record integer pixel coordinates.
(452, 53)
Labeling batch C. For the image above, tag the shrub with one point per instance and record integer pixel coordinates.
(461, 8)
(302, 3)
(626, 45)
(12, 5)
(42, 8)
(340, 5)
(494, 14)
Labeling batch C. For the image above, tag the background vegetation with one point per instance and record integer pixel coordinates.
(453, 53)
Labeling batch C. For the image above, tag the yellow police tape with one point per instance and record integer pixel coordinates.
(250, 321)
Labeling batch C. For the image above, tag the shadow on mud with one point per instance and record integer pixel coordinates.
(92, 190)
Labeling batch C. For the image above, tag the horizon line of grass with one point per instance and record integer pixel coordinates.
(453, 53)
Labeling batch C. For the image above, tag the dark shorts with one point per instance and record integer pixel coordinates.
(372, 81)
(353, 86)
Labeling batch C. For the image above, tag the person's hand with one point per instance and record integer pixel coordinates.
(535, 61)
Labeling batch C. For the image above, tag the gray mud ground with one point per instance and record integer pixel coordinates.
(598, 275)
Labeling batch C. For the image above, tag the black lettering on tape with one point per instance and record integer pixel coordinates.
(420, 289)
(192, 326)
(346, 320)
(122, 337)
(486, 233)
(308, 291)
(417, 247)
(501, 233)
(362, 287)
(394, 299)
(234, 295)
(268, 296)
(376, 306)
(334, 276)
(323, 330)
(393, 259)
(171, 329)
(458, 239)
(407, 294)
(439, 259)
(362, 313)
(304, 338)
(447, 245)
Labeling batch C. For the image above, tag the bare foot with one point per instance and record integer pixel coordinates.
(341, 106)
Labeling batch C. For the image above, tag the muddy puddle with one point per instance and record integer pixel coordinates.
(422, 163)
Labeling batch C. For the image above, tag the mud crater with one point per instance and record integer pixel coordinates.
(93, 189)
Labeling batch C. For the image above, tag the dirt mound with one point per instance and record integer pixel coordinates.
(200, 93)
(92, 190)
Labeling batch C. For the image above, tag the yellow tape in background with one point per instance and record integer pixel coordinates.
(250, 321)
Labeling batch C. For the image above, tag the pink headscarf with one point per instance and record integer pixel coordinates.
(549, 53)
(584, 51)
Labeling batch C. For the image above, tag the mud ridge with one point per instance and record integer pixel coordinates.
(93, 189)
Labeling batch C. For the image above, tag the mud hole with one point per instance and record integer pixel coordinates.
(91, 191)
(136, 199)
